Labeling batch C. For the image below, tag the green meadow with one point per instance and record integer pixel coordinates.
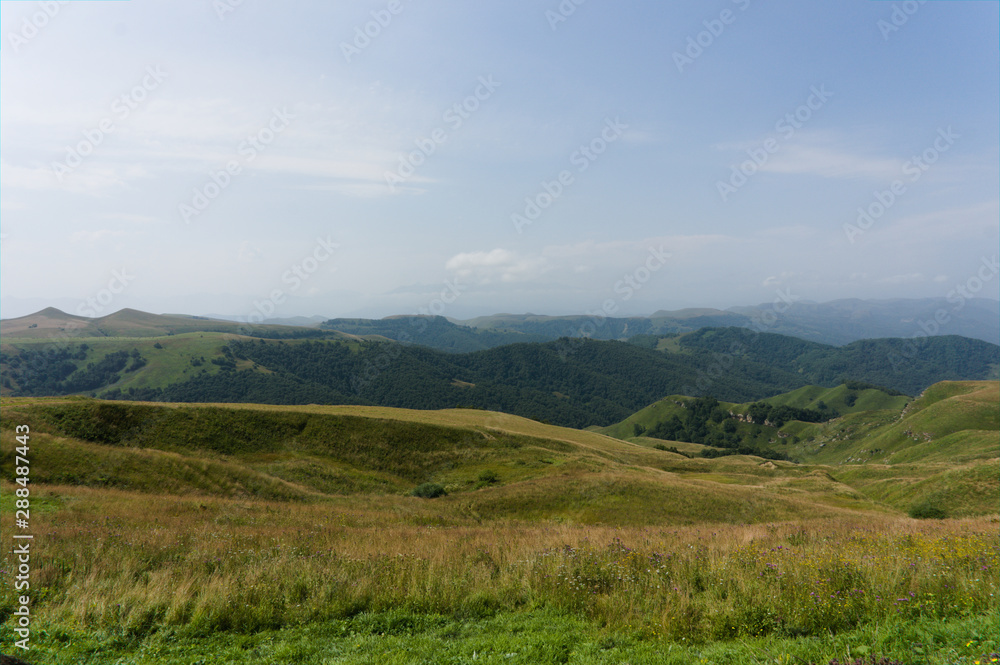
(224, 533)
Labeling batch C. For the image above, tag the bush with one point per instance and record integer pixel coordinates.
(488, 477)
(927, 510)
(428, 491)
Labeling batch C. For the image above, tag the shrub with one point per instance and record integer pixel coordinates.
(489, 477)
(428, 491)
(927, 510)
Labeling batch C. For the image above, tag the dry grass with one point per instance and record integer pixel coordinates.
(107, 558)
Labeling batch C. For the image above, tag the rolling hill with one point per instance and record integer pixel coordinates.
(950, 421)
(435, 332)
(200, 529)
(571, 382)
(536, 471)
(308, 453)
(941, 447)
(53, 324)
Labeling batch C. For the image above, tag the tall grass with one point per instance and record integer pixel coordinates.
(107, 559)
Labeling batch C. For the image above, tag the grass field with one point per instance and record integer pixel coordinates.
(227, 533)
(139, 567)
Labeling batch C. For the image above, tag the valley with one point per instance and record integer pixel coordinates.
(201, 495)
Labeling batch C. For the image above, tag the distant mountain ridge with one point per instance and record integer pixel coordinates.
(837, 323)
(55, 324)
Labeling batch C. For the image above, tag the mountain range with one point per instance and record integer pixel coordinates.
(576, 382)
(837, 323)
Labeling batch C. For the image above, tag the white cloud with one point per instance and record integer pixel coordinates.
(830, 162)
(821, 153)
(498, 265)
(967, 221)
(91, 178)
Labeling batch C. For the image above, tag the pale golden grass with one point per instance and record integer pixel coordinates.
(107, 558)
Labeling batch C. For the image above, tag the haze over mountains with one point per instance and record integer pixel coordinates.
(837, 322)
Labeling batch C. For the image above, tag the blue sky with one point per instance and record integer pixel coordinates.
(227, 157)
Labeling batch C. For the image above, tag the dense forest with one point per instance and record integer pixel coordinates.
(906, 365)
(435, 332)
(572, 381)
(703, 420)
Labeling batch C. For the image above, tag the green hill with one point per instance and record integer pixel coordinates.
(950, 421)
(570, 382)
(55, 326)
(954, 421)
(845, 398)
(500, 465)
(495, 465)
(435, 332)
(942, 447)
(174, 531)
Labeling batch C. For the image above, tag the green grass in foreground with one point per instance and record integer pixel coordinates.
(529, 638)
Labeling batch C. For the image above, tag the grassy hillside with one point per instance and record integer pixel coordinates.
(940, 448)
(732, 425)
(53, 325)
(531, 469)
(950, 421)
(223, 532)
(535, 470)
(435, 332)
(841, 399)
(575, 383)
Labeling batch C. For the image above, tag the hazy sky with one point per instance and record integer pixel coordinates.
(388, 157)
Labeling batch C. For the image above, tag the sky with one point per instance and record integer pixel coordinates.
(255, 158)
